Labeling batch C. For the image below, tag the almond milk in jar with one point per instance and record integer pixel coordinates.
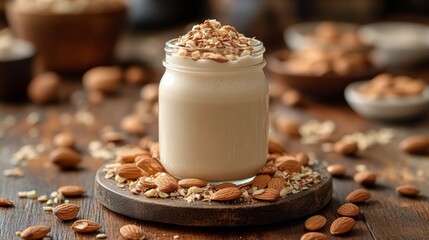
(213, 105)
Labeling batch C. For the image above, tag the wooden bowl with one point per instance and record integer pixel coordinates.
(325, 86)
(16, 71)
(69, 42)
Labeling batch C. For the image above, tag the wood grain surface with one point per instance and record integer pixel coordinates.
(385, 216)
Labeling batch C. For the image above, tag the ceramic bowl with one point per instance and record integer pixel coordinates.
(16, 71)
(386, 109)
(69, 42)
(397, 43)
(325, 86)
(299, 36)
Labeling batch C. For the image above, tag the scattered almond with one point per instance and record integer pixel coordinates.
(415, 144)
(365, 178)
(5, 202)
(290, 166)
(150, 92)
(112, 136)
(35, 232)
(64, 140)
(44, 88)
(224, 185)
(66, 211)
(149, 165)
(71, 191)
(192, 182)
(65, 157)
(85, 226)
(315, 223)
(342, 225)
(408, 190)
(275, 147)
(358, 195)
(129, 171)
(132, 124)
(302, 158)
(261, 181)
(337, 170)
(348, 210)
(291, 98)
(288, 127)
(348, 148)
(166, 183)
(276, 183)
(132, 232)
(135, 75)
(314, 236)
(102, 79)
(130, 155)
(227, 194)
(268, 194)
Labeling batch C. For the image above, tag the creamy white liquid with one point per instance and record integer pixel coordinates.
(213, 123)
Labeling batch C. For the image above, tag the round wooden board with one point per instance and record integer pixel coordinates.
(178, 211)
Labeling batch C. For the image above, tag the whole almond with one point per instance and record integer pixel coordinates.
(408, 190)
(65, 157)
(224, 185)
(44, 88)
(314, 236)
(337, 170)
(415, 144)
(261, 181)
(227, 194)
(135, 75)
(129, 171)
(281, 159)
(276, 183)
(302, 158)
(102, 79)
(365, 178)
(275, 147)
(166, 183)
(290, 166)
(348, 148)
(85, 226)
(35, 232)
(291, 98)
(130, 155)
(288, 127)
(342, 225)
(269, 194)
(192, 182)
(5, 202)
(315, 222)
(114, 137)
(358, 195)
(154, 150)
(348, 210)
(132, 124)
(64, 139)
(149, 92)
(71, 191)
(145, 142)
(269, 169)
(149, 165)
(66, 211)
(132, 232)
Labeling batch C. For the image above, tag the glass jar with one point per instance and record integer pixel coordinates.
(213, 116)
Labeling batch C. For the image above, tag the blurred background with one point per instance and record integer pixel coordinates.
(70, 38)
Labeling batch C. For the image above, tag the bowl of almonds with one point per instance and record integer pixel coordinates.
(388, 97)
(320, 72)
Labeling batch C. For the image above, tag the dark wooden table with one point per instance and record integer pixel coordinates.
(385, 216)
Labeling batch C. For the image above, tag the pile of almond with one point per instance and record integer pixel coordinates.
(214, 41)
(386, 86)
(141, 172)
